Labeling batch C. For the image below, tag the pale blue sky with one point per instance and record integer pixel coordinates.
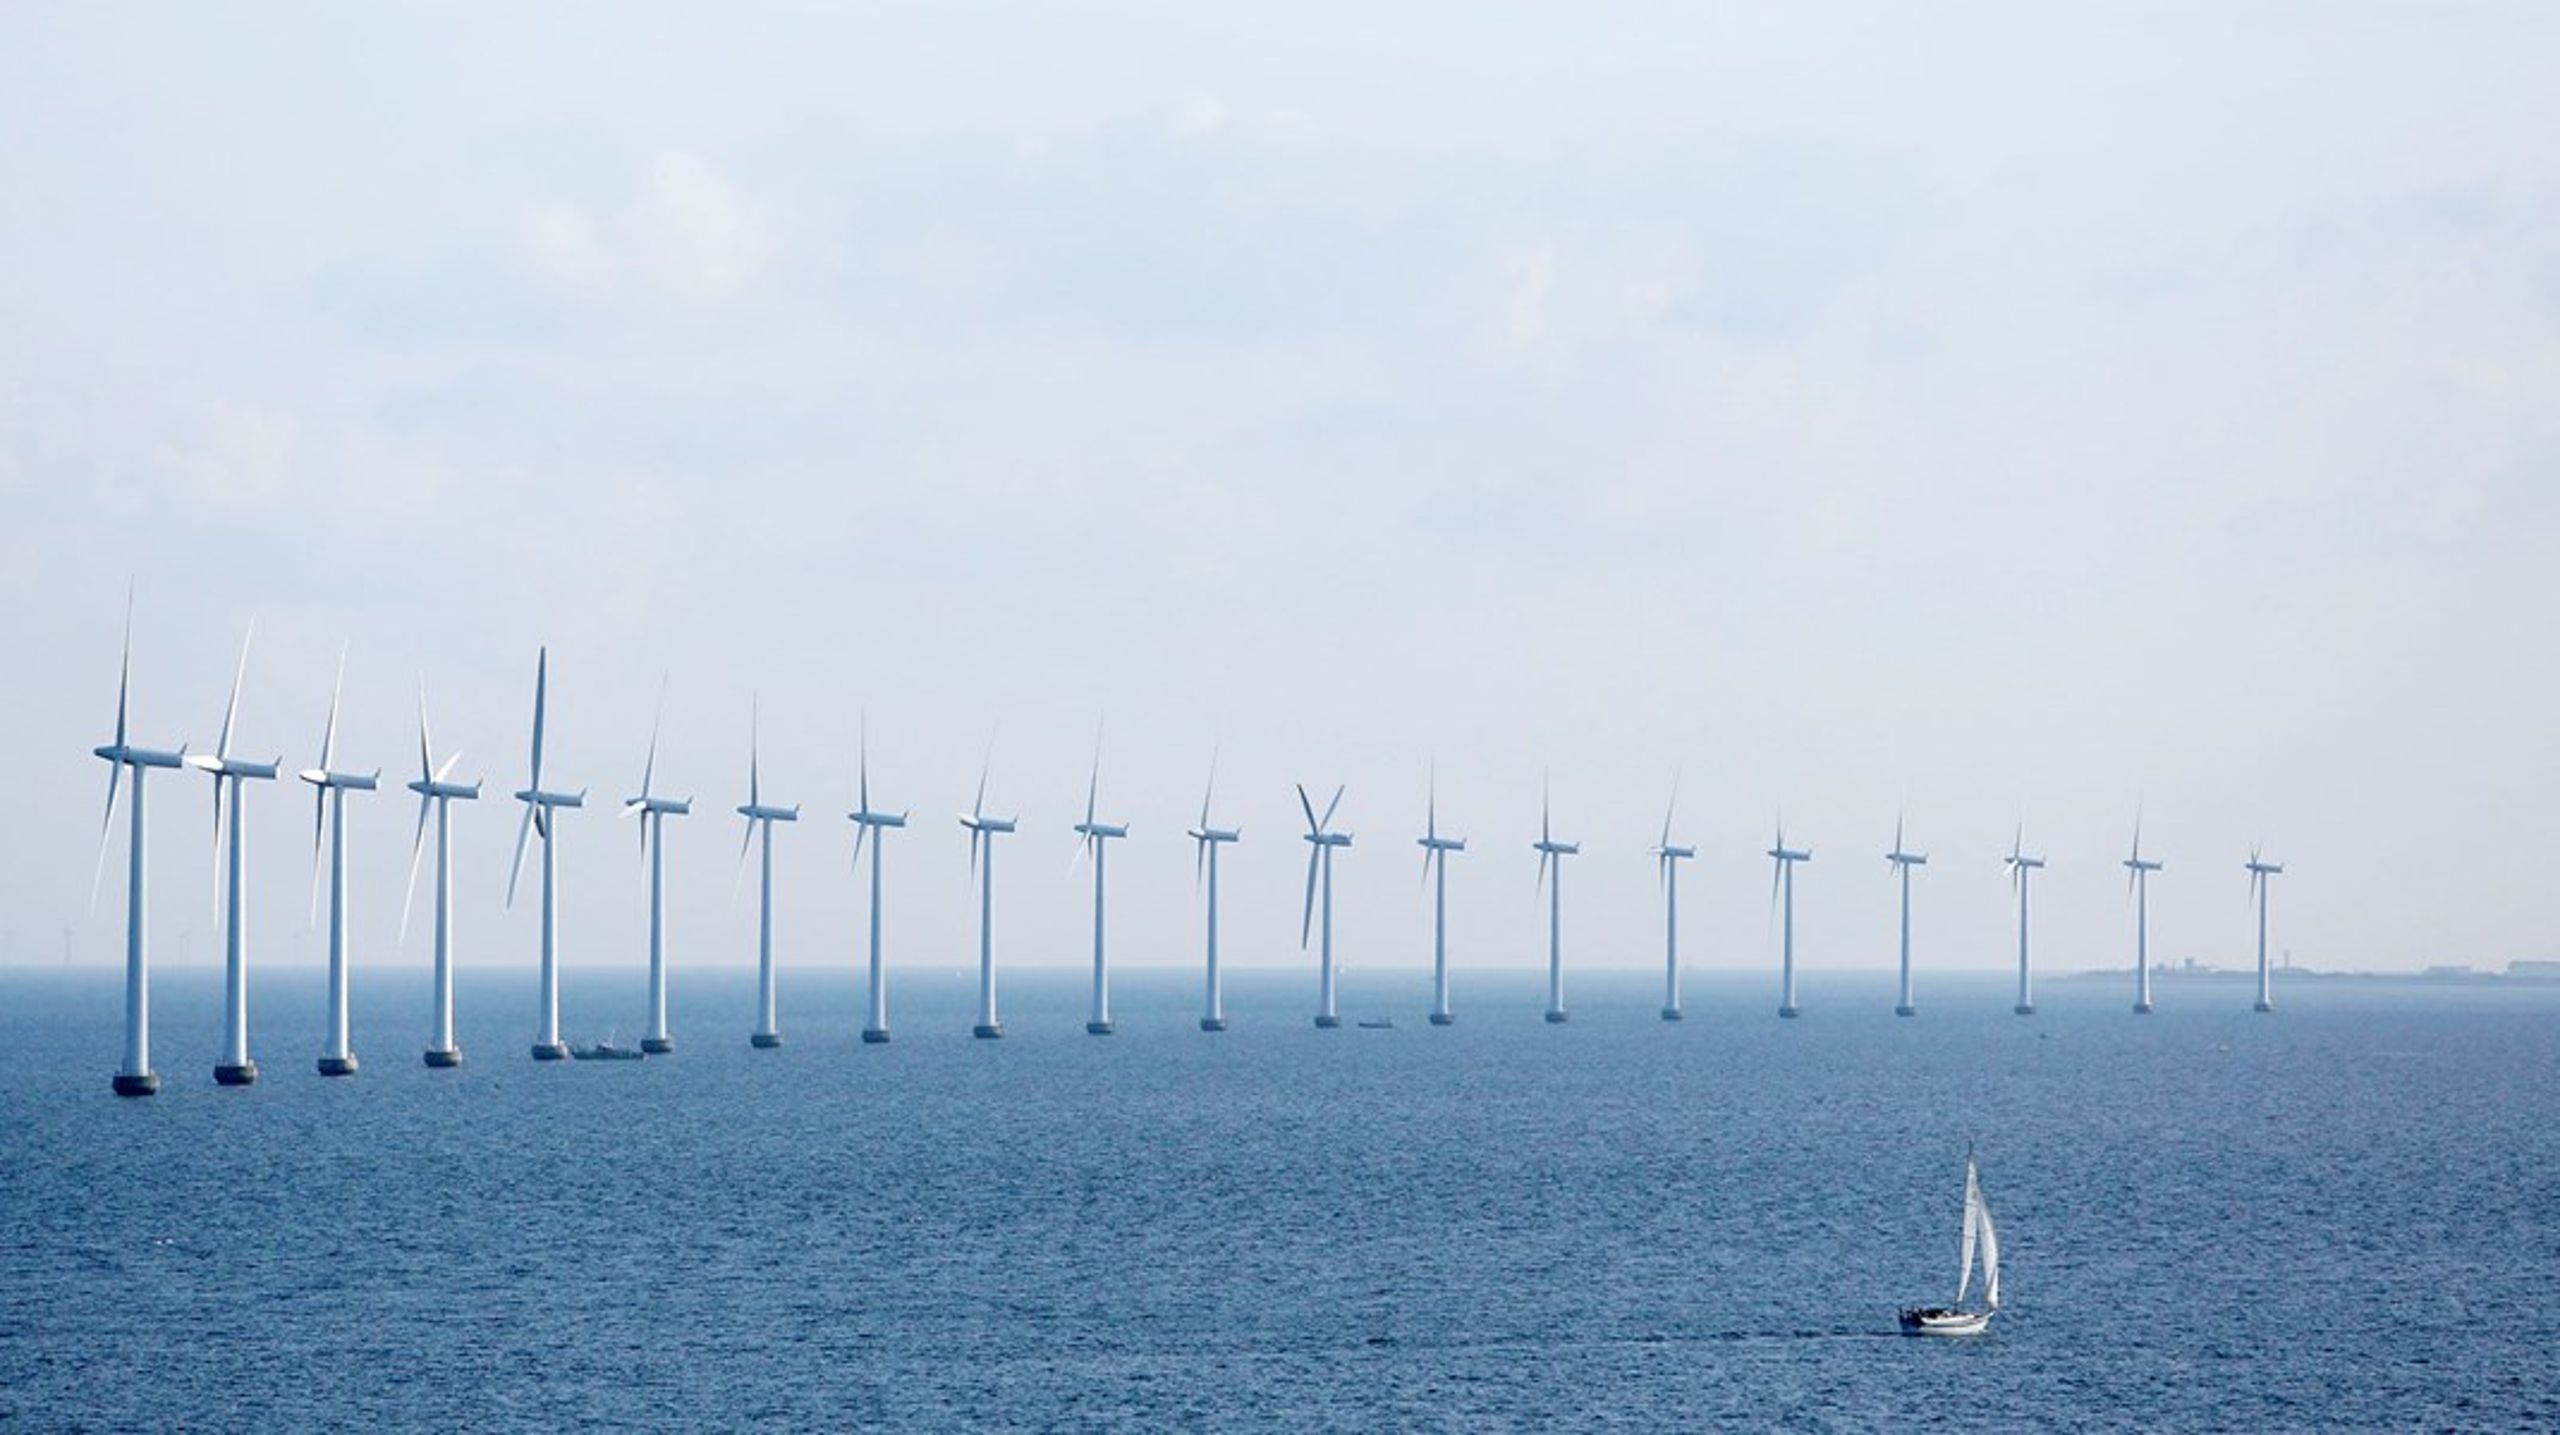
(2035, 409)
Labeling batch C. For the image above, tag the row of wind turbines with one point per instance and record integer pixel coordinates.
(437, 791)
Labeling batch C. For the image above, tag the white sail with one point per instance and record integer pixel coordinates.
(1972, 1217)
(1990, 1256)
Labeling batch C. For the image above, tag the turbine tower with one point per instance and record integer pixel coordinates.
(329, 814)
(653, 812)
(983, 831)
(1552, 853)
(541, 814)
(2137, 885)
(1435, 870)
(1782, 881)
(1322, 840)
(2021, 868)
(1208, 840)
(1903, 862)
(1667, 860)
(2259, 871)
(761, 816)
(436, 791)
(865, 822)
(1096, 837)
(135, 1077)
(236, 1067)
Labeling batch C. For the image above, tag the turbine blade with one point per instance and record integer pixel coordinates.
(978, 806)
(124, 669)
(452, 761)
(1200, 857)
(1313, 827)
(862, 779)
(231, 711)
(1431, 808)
(541, 693)
(1329, 808)
(755, 743)
(1093, 785)
(1544, 856)
(975, 834)
(426, 749)
(649, 767)
(746, 840)
(1668, 808)
(217, 843)
(329, 735)
(1307, 924)
(107, 824)
(861, 830)
(1211, 790)
(524, 830)
(319, 824)
(417, 849)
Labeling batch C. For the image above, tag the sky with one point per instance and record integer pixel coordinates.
(2013, 417)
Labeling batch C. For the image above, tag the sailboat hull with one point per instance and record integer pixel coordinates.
(1934, 1321)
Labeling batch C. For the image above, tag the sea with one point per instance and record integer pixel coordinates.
(2344, 1215)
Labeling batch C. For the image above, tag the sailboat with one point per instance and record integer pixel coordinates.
(1978, 1234)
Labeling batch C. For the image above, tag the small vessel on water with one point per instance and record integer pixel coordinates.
(1378, 1023)
(1979, 1234)
(607, 1050)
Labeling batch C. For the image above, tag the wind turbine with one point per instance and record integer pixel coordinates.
(329, 813)
(2021, 868)
(983, 831)
(653, 812)
(865, 823)
(2259, 871)
(1667, 860)
(1322, 840)
(1435, 868)
(236, 1068)
(1552, 853)
(1782, 879)
(135, 1078)
(1208, 840)
(541, 815)
(2137, 885)
(436, 791)
(1903, 862)
(1096, 837)
(761, 816)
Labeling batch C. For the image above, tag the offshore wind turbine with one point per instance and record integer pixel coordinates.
(541, 814)
(1435, 869)
(329, 813)
(653, 812)
(2260, 871)
(761, 816)
(135, 1077)
(436, 791)
(1096, 838)
(236, 1067)
(983, 831)
(1782, 882)
(865, 822)
(2137, 885)
(1208, 840)
(1552, 853)
(1903, 862)
(1322, 840)
(1667, 860)
(2021, 868)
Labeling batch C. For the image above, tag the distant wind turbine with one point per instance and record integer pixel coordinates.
(983, 831)
(1667, 859)
(1435, 867)
(236, 1067)
(2021, 868)
(541, 810)
(1322, 841)
(1551, 855)
(1903, 862)
(1782, 887)
(761, 816)
(2137, 884)
(652, 811)
(1208, 840)
(135, 1077)
(1096, 839)
(866, 823)
(436, 791)
(329, 813)
(2260, 871)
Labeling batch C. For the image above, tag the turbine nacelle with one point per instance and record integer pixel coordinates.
(653, 806)
(1901, 858)
(535, 797)
(229, 766)
(2265, 869)
(357, 781)
(1213, 834)
(2026, 863)
(1557, 849)
(2142, 864)
(763, 812)
(1102, 829)
(976, 823)
(1675, 854)
(1442, 844)
(1327, 839)
(132, 756)
(1784, 853)
(881, 819)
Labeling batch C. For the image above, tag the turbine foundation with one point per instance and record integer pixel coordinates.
(1790, 1013)
(1213, 1023)
(1671, 1013)
(875, 1035)
(1097, 1028)
(1906, 1011)
(1442, 1018)
(2142, 1008)
(1556, 1018)
(1328, 1023)
(2263, 1006)
(444, 1058)
(765, 1040)
(987, 1030)
(142, 1083)
(242, 1074)
(338, 1065)
(2024, 1008)
(657, 1045)
(551, 1051)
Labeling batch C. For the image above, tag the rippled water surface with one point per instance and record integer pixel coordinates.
(2346, 1214)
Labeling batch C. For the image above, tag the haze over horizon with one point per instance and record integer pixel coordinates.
(1999, 415)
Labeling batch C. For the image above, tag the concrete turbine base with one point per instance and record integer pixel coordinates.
(1906, 1011)
(2142, 1008)
(444, 1058)
(1672, 1013)
(1556, 1017)
(242, 1074)
(1444, 1018)
(765, 1040)
(987, 1030)
(1097, 1028)
(137, 1083)
(1213, 1023)
(2263, 1006)
(2024, 1008)
(1790, 1013)
(551, 1051)
(875, 1035)
(338, 1065)
(1328, 1023)
(658, 1045)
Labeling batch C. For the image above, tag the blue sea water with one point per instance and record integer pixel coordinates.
(2344, 1215)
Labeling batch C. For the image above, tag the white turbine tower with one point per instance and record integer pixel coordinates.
(2260, 871)
(236, 1067)
(541, 814)
(1095, 840)
(1322, 840)
(1552, 853)
(1208, 840)
(1903, 862)
(135, 1077)
(983, 831)
(329, 814)
(1435, 870)
(2021, 869)
(866, 823)
(1667, 860)
(1782, 882)
(653, 812)
(2137, 884)
(436, 791)
(761, 816)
